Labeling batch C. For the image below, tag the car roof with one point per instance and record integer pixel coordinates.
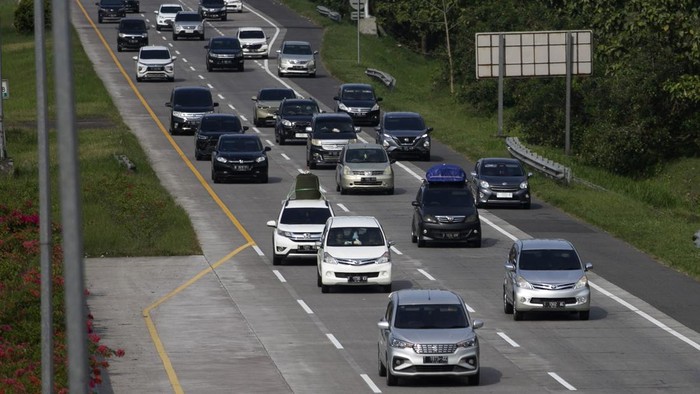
(332, 115)
(299, 101)
(500, 160)
(171, 5)
(354, 221)
(220, 115)
(188, 12)
(296, 43)
(402, 114)
(239, 136)
(277, 89)
(426, 296)
(250, 28)
(190, 88)
(356, 85)
(154, 48)
(305, 203)
(541, 243)
(363, 145)
(224, 38)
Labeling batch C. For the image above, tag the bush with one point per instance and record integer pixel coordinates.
(24, 16)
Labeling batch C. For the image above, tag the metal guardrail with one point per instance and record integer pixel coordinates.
(539, 163)
(325, 11)
(386, 79)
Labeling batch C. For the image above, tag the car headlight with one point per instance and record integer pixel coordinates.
(214, 55)
(260, 159)
(122, 35)
(522, 283)
(347, 170)
(328, 259)
(169, 67)
(375, 107)
(142, 68)
(426, 143)
(202, 137)
(263, 107)
(399, 343)
(388, 170)
(424, 136)
(343, 107)
(178, 114)
(523, 185)
(287, 123)
(583, 282)
(471, 342)
(429, 219)
(385, 258)
(484, 185)
(283, 233)
(317, 143)
(311, 63)
(221, 159)
(144, 35)
(385, 143)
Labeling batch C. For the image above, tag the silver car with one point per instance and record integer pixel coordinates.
(267, 102)
(188, 24)
(364, 167)
(296, 57)
(428, 333)
(545, 275)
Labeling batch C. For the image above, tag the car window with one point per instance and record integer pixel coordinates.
(409, 123)
(389, 310)
(170, 10)
(188, 17)
(297, 49)
(305, 216)
(132, 25)
(333, 128)
(448, 198)
(240, 145)
(155, 54)
(299, 109)
(276, 94)
(112, 3)
(194, 98)
(247, 34)
(502, 169)
(430, 317)
(549, 260)
(366, 156)
(355, 236)
(225, 44)
(227, 123)
(357, 94)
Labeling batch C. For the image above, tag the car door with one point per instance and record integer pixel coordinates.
(384, 334)
(340, 167)
(510, 276)
(418, 211)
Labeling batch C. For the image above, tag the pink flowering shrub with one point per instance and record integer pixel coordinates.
(20, 309)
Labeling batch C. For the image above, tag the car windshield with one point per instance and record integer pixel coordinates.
(170, 10)
(355, 236)
(247, 34)
(276, 94)
(403, 123)
(155, 54)
(334, 129)
(297, 49)
(430, 316)
(357, 94)
(502, 169)
(188, 17)
(112, 3)
(549, 260)
(448, 198)
(132, 25)
(194, 98)
(299, 109)
(213, 3)
(240, 145)
(221, 123)
(366, 156)
(225, 44)
(305, 216)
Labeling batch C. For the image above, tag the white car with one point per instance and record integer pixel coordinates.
(298, 228)
(254, 42)
(234, 5)
(353, 250)
(166, 15)
(155, 62)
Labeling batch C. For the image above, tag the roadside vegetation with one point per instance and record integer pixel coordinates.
(657, 212)
(125, 213)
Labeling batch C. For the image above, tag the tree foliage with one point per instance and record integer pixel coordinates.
(24, 16)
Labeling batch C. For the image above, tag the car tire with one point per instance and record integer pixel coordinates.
(312, 166)
(312, 75)
(99, 19)
(201, 38)
(526, 205)
(473, 380)
(264, 179)
(198, 156)
(391, 379)
(343, 191)
(420, 241)
(475, 244)
(171, 79)
(241, 68)
(174, 37)
(414, 239)
(158, 27)
(584, 315)
(138, 79)
(119, 48)
(225, 17)
(517, 315)
(277, 259)
(381, 370)
(325, 288)
(425, 156)
(215, 177)
(138, 10)
(507, 306)
(279, 73)
(319, 282)
(390, 191)
(386, 288)
(282, 140)
(337, 187)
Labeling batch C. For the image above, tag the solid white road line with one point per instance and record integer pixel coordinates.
(562, 381)
(258, 250)
(427, 275)
(305, 307)
(408, 170)
(370, 383)
(499, 229)
(335, 342)
(507, 339)
(270, 143)
(279, 276)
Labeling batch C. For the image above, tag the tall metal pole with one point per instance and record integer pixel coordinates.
(47, 369)
(501, 72)
(71, 217)
(567, 132)
(3, 150)
(358, 31)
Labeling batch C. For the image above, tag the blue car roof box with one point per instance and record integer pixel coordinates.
(445, 173)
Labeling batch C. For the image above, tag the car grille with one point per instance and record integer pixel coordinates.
(358, 111)
(357, 261)
(450, 219)
(155, 68)
(548, 286)
(350, 274)
(252, 46)
(569, 300)
(441, 348)
(305, 236)
(405, 140)
(506, 188)
(368, 173)
(300, 126)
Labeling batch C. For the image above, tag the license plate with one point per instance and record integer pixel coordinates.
(451, 235)
(435, 359)
(504, 195)
(225, 62)
(334, 153)
(307, 247)
(298, 68)
(240, 168)
(301, 135)
(369, 179)
(357, 278)
(189, 31)
(554, 304)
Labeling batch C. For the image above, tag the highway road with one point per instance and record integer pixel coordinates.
(230, 321)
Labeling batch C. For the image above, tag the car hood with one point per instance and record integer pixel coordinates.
(298, 118)
(181, 108)
(297, 57)
(301, 228)
(359, 103)
(240, 155)
(433, 336)
(405, 133)
(155, 62)
(553, 277)
(503, 180)
(167, 14)
(355, 252)
(455, 211)
(218, 133)
(367, 166)
(267, 103)
(248, 41)
(226, 51)
(334, 144)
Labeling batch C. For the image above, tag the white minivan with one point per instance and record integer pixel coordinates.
(353, 251)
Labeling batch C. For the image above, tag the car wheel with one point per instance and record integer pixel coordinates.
(138, 79)
(312, 75)
(215, 177)
(526, 205)
(391, 379)
(201, 38)
(507, 306)
(138, 10)
(390, 191)
(312, 166)
(319, 282)
(386, 288)
(584, 315)
(420, 241)
(174, 37)
(473, 380)
(426, 156)
(279, 73)
(198, 156)
(517, 315)
(282, 140)
(225, 17)
(119, 48)
(264, 179)
(325, 288)
(276, 259)
(241, 68)
(99, 19)
(382, 369)
(414, 239)
(171, 79)
(158, 27)
(337, 187)
(343, 190)
(475, 244)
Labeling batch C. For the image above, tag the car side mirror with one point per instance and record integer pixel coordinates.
(216, 104)
(509, 267)
(392, 160)
(279, 51)
(315, 53)
(473, 173)
(588, 266)
(155, 12)
(383, 325)
(245, 128)
(135, 58)
(379, 99)
(173, 58)
(336, 98)
(476, 324)
(254, 98)
(168, 104)
(429, 129)
(529, 174)
(357, 129)
(271, 223)
(267, 149)
(415, 203)
(391, 243)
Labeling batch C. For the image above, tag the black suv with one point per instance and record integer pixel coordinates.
(500, 181)
(444, 208)
(239, 156)
(293, 117)
(327, 136)
(359, 101)
(404, 134)
(187, 106)
(211, 127)
(133, 6)
(110, 9)
(224, 52)
(133, 34)
(212, 9)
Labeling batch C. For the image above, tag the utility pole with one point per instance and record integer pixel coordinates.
(3, 150)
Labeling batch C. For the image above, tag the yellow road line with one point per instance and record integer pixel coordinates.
(172, 376)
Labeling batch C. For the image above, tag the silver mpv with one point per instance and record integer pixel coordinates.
(428, 333)
(545, 275)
